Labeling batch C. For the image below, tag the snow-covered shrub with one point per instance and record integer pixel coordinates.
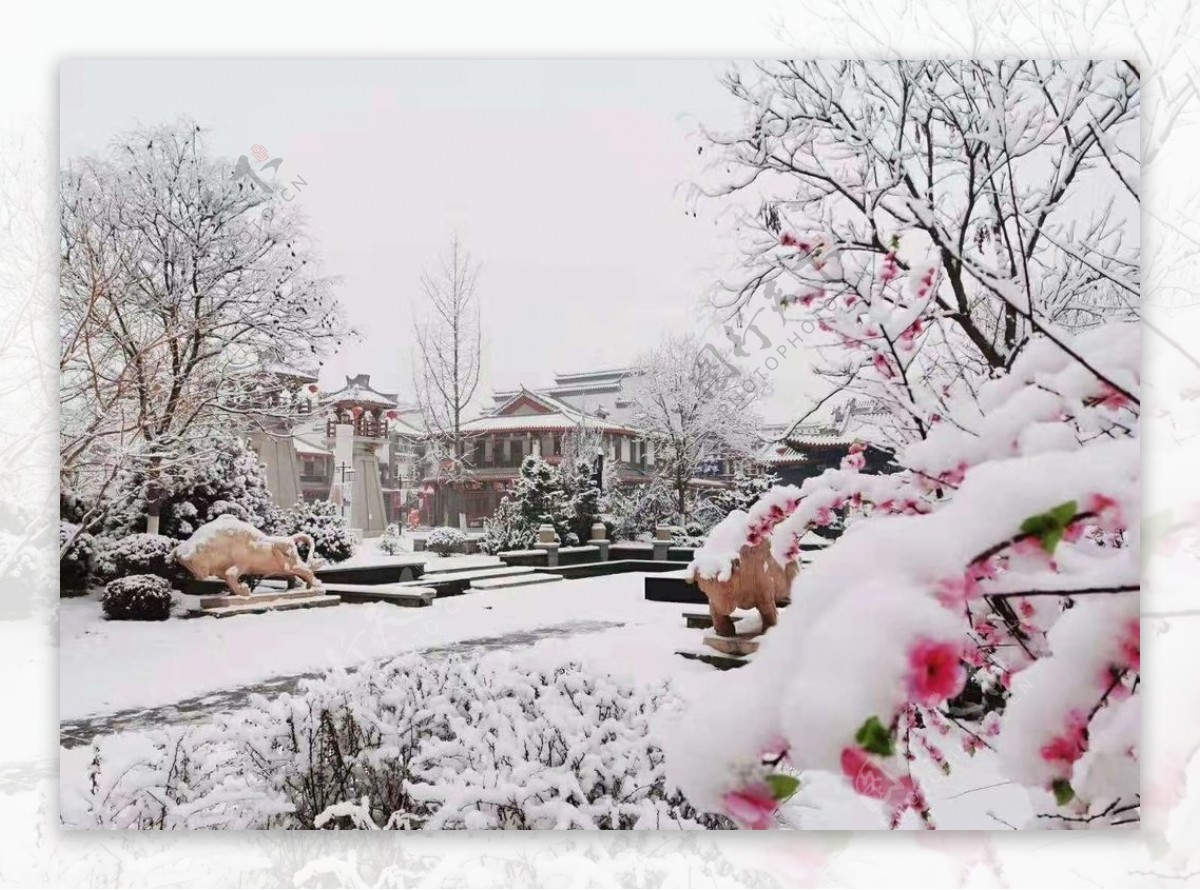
(216, 477)
(744, 491)
(539, 496)
(138, 554)
(390, 541)
(137, 598)
(409, 744)
(1008, 548)
(444, 541)
(634, 512)
(77, 550)
(323, 520)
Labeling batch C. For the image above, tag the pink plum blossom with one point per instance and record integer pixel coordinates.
(753, 806)
(869, 778)
(936, 671)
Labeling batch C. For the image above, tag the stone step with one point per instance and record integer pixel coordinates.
(248, 606)
(261, 594)
(739, 646)
(472, 574)
(703, 620)
(455, 564)
(396, 594)
(515, 581)
(720, 662)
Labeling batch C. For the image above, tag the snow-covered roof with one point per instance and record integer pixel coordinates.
(548, 414)
(841, 425)
(303, 446)
(538, 422)
(359, 391)
(778, 454)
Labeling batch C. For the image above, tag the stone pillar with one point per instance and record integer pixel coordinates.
(600, 539)
(366, 509)
(662, 543)
(278, 454)
(548, 541)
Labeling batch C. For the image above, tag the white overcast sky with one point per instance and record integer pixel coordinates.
(565, 179)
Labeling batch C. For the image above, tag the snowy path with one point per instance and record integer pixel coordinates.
(73, 733)
(118, 667)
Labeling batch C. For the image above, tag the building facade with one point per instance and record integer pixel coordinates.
(523, 423)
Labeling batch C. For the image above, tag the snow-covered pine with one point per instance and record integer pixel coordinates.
(333, 540)
(220, 476)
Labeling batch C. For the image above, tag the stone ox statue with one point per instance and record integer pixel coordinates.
(756, 581)
(228, 548)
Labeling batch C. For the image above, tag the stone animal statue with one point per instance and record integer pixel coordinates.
(756, 581)
(228, 548)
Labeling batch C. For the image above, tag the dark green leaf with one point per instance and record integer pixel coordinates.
(873, 736)
(1050, 526)
(1063, 792)
(782, 786)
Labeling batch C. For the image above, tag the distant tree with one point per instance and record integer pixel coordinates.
(446, 366)
(687, 401)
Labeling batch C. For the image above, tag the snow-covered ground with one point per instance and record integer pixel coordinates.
(113, 666)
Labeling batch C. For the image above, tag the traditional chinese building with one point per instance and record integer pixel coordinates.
(526, 422)
(815, 444)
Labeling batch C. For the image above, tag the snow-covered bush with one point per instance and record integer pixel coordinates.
(744, 491)
(634, 512)
(332, 538)
(137, 598)
(77, 551)
(139, 554)
(444, 541)
(564, 496)
(409, 744)
(1008, 548)
(219, 476)
(390, 541)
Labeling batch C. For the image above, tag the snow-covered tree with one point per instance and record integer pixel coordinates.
(744, 491)
(536, 497)
(182, 287)
(688, 402)
(964, 235)
(210, 479)
(972, 203)
(332, 537)
(446, 366)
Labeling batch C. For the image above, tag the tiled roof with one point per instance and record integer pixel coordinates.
(358, 390)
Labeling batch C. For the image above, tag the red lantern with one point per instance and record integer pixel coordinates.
(313, 388)
(357, 411)
(392, 415)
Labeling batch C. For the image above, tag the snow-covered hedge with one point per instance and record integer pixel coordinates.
(413, 743)
(444, 541)
(139, 554)
(323, 520)
(137, 598)
(75, 561)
